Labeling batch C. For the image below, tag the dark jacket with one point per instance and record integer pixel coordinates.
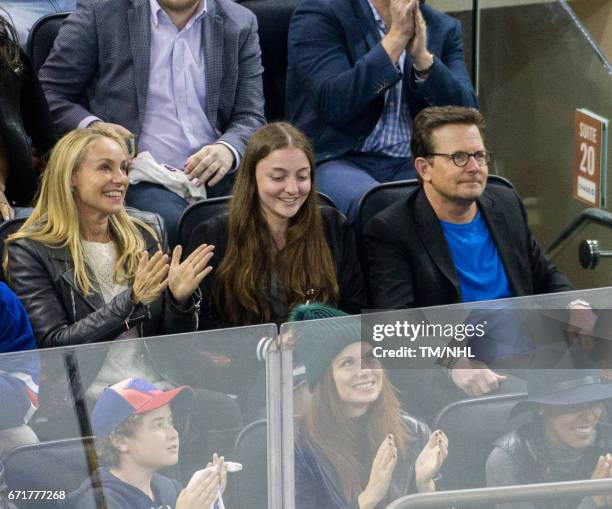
(61, 315)
(23, 113)
(341, 244)
(410, 263)
(521, 457)
(338, 72)
(317, 485)
(121, 495)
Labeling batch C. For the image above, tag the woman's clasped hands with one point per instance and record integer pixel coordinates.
(155, 273)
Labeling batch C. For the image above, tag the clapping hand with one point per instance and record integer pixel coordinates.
(417, 46)
(430, 460)
(402, 17)
(151, 278)
(603, 470)
(381, 474)
(184, 278)
(219, 463)
(202, 490)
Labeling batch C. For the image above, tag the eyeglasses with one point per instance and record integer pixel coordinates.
(482, 157)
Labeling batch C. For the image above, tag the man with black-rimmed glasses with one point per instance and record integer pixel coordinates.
(455, 238)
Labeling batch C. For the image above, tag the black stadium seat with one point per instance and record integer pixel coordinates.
(59, 466)
(251, 485)
(273, 18)
(472, 427)
(7, 228)
(374, 201)
(42, 35)
(203, 210)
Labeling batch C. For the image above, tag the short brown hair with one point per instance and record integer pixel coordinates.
(430, 119)
(108, 454)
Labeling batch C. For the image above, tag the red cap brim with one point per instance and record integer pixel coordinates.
(163, 398)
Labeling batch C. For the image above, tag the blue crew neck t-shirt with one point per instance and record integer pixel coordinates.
(477, 262)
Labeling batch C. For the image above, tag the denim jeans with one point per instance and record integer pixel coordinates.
(155, 198)
(24, 13)
(346, 180)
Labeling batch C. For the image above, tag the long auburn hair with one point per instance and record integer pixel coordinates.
(239, 288)
(54, 221)
(326, 426)
(9, 46)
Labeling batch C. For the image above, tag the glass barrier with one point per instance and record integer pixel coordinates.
(458, 397)
(538, 65)
(150, 443)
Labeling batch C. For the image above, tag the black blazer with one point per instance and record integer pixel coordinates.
(410, 263)
(341, 244)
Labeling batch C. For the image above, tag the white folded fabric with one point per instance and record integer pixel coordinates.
(144, 168)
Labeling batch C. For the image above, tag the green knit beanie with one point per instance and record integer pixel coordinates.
(318, 343)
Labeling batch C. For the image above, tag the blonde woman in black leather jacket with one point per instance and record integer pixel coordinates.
(88, 270)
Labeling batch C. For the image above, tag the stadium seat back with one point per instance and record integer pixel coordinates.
(58, 466)
(472, 427)
(203, 210)
(7, 228)
(42, 36)
(251, 485)
(273, 18)
(374, 201)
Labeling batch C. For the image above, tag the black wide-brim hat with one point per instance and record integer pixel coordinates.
(563, 387)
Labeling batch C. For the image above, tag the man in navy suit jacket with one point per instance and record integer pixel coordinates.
(359, 71)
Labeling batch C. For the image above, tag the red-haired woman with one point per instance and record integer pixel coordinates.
(355, 449)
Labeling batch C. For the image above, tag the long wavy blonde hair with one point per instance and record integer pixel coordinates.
(55, 221)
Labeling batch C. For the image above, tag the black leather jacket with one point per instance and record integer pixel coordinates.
(23, 114)
(521, 457)
(317, 485)
(61, 315)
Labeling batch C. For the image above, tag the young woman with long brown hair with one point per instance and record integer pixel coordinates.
(355, 449)
(276, 247)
